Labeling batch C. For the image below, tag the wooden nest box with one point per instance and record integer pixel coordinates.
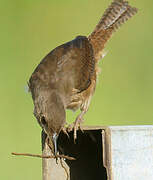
(104, 153)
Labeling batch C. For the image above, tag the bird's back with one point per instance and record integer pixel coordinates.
(69, 66)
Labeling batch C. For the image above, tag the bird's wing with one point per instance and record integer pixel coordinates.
(72, 63)
(76, 61)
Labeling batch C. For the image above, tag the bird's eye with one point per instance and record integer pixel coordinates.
(43, 120)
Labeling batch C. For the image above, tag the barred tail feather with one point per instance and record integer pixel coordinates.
(116, 15)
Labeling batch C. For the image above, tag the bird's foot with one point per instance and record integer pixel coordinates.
(65, 131)
(76, 126)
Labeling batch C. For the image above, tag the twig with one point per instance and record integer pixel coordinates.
(67, 174)
(41, 156)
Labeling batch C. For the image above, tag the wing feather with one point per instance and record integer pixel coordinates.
(73, 60)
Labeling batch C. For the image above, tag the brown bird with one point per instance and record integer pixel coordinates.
(66, 77)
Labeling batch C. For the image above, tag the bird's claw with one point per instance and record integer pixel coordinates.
(75, 126)
(65, 131)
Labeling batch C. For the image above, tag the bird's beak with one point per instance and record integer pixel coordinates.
(55, 137)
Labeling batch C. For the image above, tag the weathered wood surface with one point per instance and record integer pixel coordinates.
(127, 154)
(50, 169)
(131, 152)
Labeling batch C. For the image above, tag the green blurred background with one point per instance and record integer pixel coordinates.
(29, 30)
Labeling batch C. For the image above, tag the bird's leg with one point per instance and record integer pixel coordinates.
(83, 107)
(77, 124)
(64, 129)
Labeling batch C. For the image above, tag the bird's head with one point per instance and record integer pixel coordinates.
(50, 113)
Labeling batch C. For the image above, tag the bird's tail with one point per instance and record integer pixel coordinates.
(116, 14)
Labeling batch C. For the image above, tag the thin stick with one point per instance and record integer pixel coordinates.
(67, 174)
(41, 156)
